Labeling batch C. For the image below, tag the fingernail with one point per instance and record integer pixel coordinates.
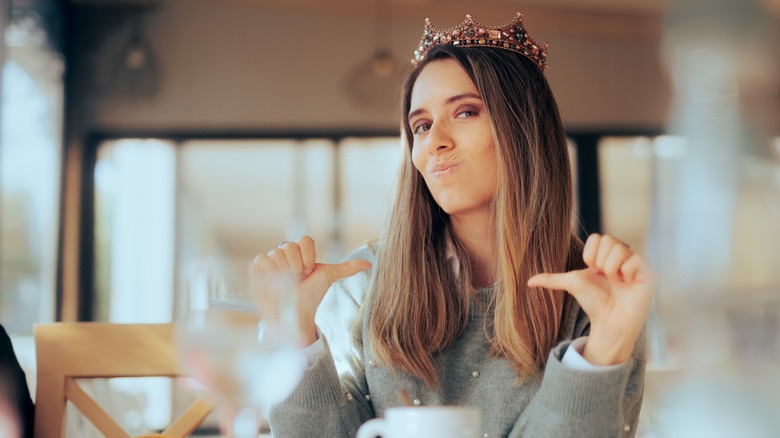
(308, 271)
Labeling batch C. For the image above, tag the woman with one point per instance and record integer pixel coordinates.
(462, 300)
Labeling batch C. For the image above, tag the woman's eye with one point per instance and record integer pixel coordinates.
(467, 113)
(420, 128)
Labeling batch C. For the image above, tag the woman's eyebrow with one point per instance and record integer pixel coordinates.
(461, 97)
(449, 100)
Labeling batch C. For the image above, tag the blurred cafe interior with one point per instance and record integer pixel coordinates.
(139, 136)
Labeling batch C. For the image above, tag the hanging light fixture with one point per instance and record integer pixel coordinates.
(134, 67)
(373, 83)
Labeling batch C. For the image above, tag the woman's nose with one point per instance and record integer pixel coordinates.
(439, 138)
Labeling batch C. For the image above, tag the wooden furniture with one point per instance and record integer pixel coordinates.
(69, 351)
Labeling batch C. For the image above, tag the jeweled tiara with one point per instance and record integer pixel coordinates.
(512, 36)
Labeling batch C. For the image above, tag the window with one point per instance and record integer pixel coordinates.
(31, 113)
(134, 230)
(30, 132)
(160, 205)
(626, 182)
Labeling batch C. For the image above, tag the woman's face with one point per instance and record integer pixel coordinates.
(453, 139)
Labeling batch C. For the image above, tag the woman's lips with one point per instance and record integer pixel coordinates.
(442, 170)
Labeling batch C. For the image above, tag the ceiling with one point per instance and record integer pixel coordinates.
(397, 7)
(484, 10)
(619, 19)
(609, 18)
(654, 8)
(603, 6)
(413, 8)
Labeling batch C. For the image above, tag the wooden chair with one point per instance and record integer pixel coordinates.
(69, 351)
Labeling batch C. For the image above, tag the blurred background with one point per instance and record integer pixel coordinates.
(138, 136)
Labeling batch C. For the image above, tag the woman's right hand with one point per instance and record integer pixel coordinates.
(300, 259)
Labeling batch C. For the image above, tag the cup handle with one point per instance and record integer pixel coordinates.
(372, 428)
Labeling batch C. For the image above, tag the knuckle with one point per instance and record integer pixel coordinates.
(257, 263)
(593, 239)
(608, 240)
(277, 256)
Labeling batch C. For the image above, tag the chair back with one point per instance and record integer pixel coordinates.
(69, 351)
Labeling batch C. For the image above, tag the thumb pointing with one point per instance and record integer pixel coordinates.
(550, 281)
(344, 270)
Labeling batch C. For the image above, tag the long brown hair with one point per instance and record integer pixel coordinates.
(417, 305)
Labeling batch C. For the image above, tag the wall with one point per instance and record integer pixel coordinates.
(236, 65)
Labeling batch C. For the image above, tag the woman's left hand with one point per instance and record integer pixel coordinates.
(615, 291)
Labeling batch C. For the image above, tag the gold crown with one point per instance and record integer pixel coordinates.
(512, 36)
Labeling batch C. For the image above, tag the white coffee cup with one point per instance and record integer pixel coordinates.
(425, 422)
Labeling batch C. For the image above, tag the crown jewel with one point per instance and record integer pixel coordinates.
(512, 36)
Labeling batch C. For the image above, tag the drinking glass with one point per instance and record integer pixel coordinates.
(240, 339)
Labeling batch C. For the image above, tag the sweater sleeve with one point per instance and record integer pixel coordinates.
(586, 403)
(323, 404)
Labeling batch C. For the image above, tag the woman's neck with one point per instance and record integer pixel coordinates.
(474, 233)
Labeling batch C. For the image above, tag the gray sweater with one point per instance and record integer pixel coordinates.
(346, 386)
